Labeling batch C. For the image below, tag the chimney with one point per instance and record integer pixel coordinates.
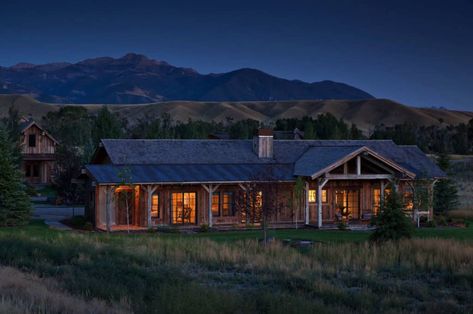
(263, 143)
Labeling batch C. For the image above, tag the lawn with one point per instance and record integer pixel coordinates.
(44, 270)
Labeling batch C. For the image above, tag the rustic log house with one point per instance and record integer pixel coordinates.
(38, 149)
(195, 182)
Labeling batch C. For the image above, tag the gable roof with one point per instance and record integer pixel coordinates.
(211, 159)
(321, 159)
(26, 124)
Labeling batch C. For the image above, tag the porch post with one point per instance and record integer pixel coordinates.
(149, 193)
(381, 201)
(108, 200)
(431, 199)
(306, 209)
(358, 165)
(210, 189)
(320, 185)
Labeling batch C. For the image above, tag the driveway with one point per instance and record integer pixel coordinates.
(53, 215)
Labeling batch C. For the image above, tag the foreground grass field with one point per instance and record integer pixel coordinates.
(232, 272)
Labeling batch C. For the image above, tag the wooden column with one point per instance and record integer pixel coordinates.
(381, 201)
(320, 186)
(306, 208)
(210, 189)
(149, 195)
(358, 165)
(108, 206)
(431, 199)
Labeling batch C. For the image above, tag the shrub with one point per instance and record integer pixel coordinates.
(391, 223)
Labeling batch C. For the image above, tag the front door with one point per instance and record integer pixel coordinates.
(347, 203)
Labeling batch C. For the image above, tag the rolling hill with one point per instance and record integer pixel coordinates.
(365, 113)
(135, 78)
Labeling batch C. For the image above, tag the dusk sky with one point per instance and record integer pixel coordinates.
(416, 52)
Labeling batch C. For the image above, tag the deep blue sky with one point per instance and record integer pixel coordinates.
(416, 52)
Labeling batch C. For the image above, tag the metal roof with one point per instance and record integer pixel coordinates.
(196, 173)
(316, 159)
(234, 160)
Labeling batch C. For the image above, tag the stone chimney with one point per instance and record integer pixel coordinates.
(263, 143)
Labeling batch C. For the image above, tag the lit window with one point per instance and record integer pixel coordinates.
(184, 208)
(155, 206)
(313, 196)
(227, 204)
(215, 204)
(376, 200)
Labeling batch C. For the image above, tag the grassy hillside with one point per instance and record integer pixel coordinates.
(365, 113)
(224, 273)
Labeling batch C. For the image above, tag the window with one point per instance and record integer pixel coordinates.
(216, 204)
(222, 204)
(32, 140)
(348, 203)
(376, 200)
(184, 208)
(227, 204)
(313, 196)
(155, 206)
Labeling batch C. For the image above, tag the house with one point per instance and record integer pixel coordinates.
(38, 149)
(148, 183)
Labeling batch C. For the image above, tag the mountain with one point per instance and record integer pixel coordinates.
(364, 113)
(135, 78)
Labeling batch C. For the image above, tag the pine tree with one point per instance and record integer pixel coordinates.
(15, 204)
(107, 125)
(445, 191)
(391, 223)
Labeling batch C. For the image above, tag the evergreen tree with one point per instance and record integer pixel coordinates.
(445, 191)
(15, 204)
(391, 223)
(106, 125)
(309, 132)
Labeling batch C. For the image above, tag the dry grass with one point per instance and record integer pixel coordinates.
(180, 274)
(26, 293)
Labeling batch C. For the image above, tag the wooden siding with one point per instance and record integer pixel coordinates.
(44, 143)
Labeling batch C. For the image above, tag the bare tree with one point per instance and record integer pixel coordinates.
(262, 199)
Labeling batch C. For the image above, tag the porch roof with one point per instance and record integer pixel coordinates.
(197, 173)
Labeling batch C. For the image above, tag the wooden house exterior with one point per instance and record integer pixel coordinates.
(226, 183)
(38, 149)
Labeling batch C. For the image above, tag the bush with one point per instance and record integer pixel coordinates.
(204, 228)
(391, 223)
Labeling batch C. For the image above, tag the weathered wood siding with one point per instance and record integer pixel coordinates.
(44, 144)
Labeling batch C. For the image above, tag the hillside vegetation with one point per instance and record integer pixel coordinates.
(364, 113)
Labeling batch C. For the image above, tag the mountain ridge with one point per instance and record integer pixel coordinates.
(366, 114)
(135, 78)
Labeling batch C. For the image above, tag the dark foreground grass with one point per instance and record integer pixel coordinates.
(231, 272)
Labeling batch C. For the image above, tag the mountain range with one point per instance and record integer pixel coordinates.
(135, 78)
